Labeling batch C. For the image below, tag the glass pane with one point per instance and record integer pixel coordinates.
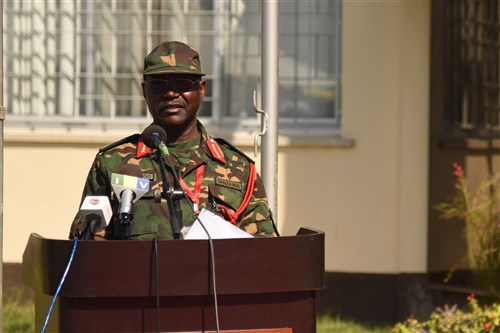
(131, 108)
(92, 55)
(92, 106)
(308, 61)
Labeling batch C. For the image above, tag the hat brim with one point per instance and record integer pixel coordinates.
(172, 70)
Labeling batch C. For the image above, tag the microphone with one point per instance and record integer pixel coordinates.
(128, 190)
(96, 213)
(155, 136)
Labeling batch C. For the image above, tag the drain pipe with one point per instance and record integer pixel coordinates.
(269, 75)
(2, 118)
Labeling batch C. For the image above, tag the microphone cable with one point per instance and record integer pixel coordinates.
(210, 242)
(157, 287)
(214, 284)
(63, 278)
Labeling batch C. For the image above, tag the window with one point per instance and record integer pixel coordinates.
(80, 62)
(472, 67)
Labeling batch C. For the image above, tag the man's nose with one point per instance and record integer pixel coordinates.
(171, 93)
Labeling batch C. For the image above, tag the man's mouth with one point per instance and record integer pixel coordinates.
(170, 107)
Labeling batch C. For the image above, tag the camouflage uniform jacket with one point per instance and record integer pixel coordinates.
(227, 173)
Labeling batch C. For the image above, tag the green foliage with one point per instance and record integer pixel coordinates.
(333, 324)
(18, 316)
(480, 210)
(475, 319)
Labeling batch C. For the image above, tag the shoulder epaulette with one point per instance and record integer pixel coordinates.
(230, 146)
(133, 137)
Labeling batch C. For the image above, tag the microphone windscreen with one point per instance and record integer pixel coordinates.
(153, 135)
(99, 206)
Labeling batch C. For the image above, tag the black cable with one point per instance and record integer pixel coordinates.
(214, 284)
(157, 287)
(174, 222)
(211, 246)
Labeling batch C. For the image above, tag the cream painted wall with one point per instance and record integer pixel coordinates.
(385, 110)
(42, 187)
(369, 198)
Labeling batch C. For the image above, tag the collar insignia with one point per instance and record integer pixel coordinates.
(215, 150)
(142, 149)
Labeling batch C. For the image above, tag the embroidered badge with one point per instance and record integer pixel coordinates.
(228, 183)
(149, 176)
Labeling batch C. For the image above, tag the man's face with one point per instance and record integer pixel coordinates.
(173, 99)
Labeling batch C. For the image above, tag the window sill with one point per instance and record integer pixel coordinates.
(102, 138)
(463, 143)
(99, 133)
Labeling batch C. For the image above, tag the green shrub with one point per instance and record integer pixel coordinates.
(480, 210)
(475, 319)
(18, 316)
(327, 323)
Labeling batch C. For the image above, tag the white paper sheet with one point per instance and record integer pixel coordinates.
(216, 226)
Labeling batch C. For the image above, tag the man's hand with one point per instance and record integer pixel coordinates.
(100, 234)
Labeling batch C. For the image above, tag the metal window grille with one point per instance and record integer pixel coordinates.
(80, 62)
(472, 48)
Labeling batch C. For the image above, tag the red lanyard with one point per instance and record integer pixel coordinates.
(194, 196)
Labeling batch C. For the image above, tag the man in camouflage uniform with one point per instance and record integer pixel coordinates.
(215, 175)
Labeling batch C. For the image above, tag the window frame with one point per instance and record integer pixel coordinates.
(76, 119)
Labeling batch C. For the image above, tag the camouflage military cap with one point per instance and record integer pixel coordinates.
(172, 58)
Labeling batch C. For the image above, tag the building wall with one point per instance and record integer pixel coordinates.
(367, 189)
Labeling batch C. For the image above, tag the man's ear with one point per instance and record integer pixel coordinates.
(143, 85)
(203, 88)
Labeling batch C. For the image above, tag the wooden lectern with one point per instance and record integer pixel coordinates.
(263, 284)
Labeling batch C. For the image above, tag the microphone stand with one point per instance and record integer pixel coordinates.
(125, 220)
(172, 196)
(176, 197)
